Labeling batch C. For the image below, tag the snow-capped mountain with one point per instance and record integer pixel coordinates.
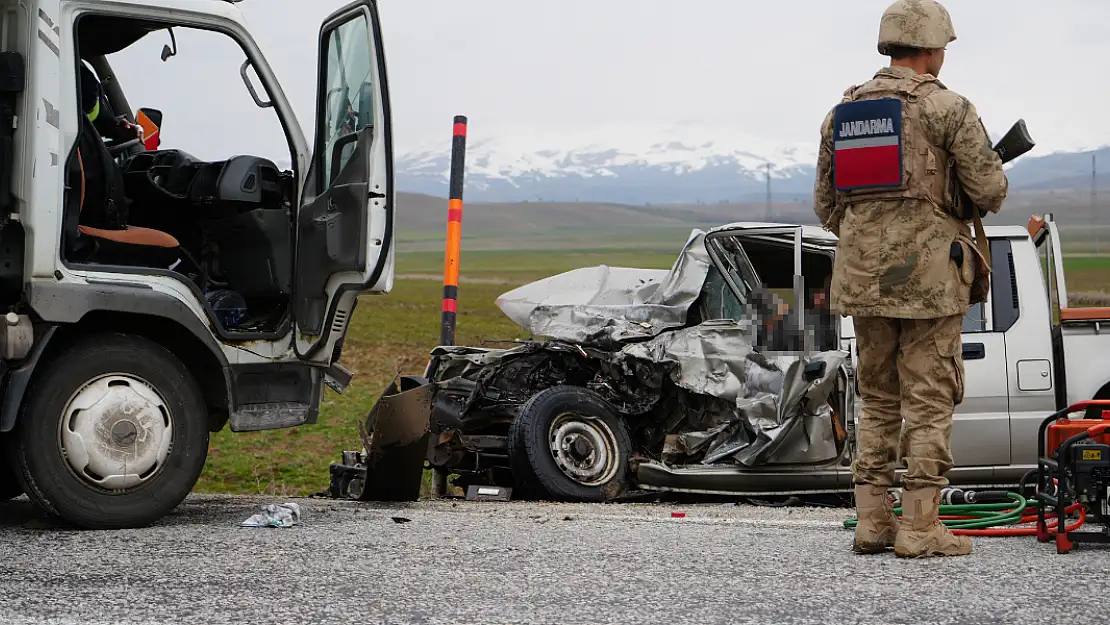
(628, 164)
(686, 163)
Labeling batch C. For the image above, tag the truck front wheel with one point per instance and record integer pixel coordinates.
(113, 434)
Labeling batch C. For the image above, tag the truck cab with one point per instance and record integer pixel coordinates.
(153, 296)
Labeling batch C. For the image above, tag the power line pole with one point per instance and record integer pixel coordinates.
(768, 208)
(1094, 202)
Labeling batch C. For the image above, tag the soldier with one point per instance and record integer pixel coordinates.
(895, 156)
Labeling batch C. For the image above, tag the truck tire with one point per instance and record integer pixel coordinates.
(113, 433)
(571, 444)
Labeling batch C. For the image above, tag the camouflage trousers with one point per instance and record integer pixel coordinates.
(909, 369)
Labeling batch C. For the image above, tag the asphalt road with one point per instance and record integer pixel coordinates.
(466, 562)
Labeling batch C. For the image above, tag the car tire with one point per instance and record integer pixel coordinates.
(571, 445)
(145, 417)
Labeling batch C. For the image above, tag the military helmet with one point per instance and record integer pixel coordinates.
(922, 24)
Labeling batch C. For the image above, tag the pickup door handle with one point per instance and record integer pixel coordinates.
(974, 351)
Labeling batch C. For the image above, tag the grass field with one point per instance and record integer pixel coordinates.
(394, 334)
(388, 335)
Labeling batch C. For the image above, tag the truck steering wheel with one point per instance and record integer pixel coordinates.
(115, 149)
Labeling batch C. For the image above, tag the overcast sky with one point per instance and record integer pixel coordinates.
(771, 68)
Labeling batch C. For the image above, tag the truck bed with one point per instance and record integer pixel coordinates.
(1085, 337)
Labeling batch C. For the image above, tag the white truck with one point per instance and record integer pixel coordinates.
(201, 295)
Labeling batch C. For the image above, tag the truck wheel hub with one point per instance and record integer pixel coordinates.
(584, 449)
(116, 432)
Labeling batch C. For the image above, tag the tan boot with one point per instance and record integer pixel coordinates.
(921, 534)
(877, 525)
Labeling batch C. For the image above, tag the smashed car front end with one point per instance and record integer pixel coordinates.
(706, 409)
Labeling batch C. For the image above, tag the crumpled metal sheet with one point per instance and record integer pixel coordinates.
(775, 406)
(604, 306)
(801, 430)
(714, 358)
(395, 436)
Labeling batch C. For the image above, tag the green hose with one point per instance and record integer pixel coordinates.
(987, 514)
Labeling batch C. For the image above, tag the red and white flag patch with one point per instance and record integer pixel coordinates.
(867, 144)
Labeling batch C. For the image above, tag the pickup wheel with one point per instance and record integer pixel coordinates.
(571, 444)
(113, 434)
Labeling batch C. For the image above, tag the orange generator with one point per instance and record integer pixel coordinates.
(1073, 470)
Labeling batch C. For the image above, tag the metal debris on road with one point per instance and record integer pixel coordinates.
(488, 493)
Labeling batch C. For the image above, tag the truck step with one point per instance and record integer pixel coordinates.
(269, 416)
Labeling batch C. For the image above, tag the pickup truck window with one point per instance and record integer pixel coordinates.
(718, 300)
(736, 262)
(1048, 277)
(975, 320)
(1003, 298)
(1004, 294)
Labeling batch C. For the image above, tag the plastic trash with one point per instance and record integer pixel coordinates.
(276, 515)
(229, 307)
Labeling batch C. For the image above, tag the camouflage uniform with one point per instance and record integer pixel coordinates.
(894, 271)
(895, 276)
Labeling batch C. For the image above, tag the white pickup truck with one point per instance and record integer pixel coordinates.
(1026, 354)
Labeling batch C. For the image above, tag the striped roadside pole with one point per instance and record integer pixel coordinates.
(454, 234)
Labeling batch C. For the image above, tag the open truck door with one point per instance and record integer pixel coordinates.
(344, 226)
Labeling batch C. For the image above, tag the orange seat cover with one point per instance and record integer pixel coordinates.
(133, 235)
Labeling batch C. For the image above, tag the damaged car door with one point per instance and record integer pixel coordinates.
(789, 431)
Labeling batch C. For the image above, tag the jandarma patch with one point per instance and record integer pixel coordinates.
(867, 144)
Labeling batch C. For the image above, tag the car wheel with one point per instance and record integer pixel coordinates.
(570, 443)
(113, 434)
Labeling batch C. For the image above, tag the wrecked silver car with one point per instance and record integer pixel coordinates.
(689, 380)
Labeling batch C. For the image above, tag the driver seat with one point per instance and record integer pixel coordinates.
(129, 235)
(101, 180)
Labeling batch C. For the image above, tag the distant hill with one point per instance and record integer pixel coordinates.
(628, 188)
(686, 164)
(588, 225)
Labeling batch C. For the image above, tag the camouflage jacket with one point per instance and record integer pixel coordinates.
(894, 255)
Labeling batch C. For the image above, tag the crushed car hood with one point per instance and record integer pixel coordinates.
(605, 305)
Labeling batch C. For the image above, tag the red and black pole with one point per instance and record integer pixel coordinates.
(454, 234)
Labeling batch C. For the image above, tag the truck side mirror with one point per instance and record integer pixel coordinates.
(151, 122)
